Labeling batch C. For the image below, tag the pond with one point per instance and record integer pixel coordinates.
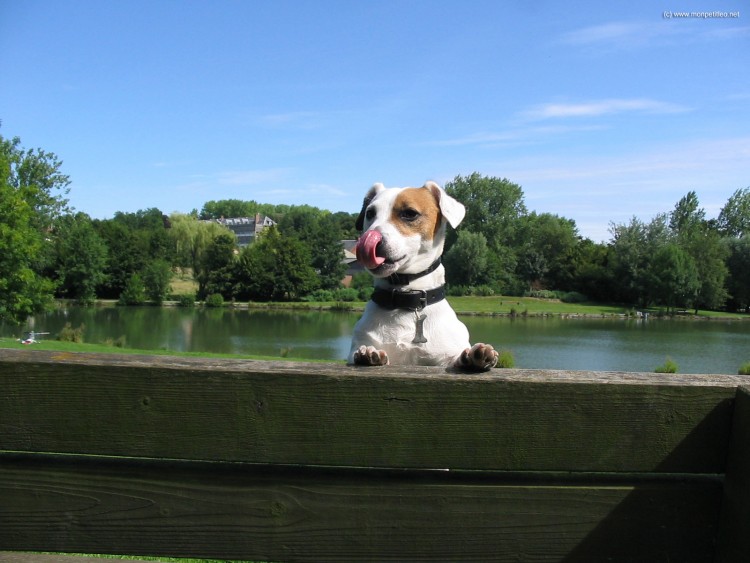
(613, 344)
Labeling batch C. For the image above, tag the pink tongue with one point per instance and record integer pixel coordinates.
(366, 249)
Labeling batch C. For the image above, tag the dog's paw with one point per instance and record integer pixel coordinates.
(369, 356)
(479, 357)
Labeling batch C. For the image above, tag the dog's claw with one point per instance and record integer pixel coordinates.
(369, 356)
(479, 357)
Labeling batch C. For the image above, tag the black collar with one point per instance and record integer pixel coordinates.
(413, 299)
(406, 279)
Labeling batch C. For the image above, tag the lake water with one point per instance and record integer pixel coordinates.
(555, 343)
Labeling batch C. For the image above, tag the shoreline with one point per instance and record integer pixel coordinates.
(359, 307)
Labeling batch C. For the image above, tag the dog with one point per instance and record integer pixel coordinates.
(408, 320)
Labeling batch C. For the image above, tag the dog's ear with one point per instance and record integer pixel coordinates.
(452, 210)
(374, 190)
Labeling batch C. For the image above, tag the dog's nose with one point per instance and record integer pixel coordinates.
(367, 249)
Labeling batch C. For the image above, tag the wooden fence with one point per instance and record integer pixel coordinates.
(286, 461)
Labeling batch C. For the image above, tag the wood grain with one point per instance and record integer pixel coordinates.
(272, 514)
(734, 540)
(292, 413)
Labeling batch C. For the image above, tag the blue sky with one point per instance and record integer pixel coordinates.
(599, 110)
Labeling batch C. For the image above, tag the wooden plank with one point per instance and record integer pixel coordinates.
(298, 413)
(734, 536)
(235, 511)
(20, 557)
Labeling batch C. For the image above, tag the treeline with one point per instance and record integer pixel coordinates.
(679, 259)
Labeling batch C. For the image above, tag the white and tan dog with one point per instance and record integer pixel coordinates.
(408, 320)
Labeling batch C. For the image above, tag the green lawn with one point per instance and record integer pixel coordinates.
(58, 346)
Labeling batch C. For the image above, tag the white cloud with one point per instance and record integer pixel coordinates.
(639, 34)
(596, 108)
(618, 33)
(598, 189)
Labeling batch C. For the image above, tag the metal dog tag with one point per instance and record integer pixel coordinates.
(419, 336)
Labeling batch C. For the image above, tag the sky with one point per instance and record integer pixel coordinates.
(600, 111)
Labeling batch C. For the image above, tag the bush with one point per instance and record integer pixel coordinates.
(70, 334)
(669, 366)
(134, 292)
(365, 293)
(346, 294)
(214, 300)
(119, 343)
(543, 294)
(469, 290)
(186, 300)
(319, 296)
(573, 297)
(505, 359)
(744, 369)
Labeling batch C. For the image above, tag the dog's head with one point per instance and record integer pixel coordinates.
(404, 228)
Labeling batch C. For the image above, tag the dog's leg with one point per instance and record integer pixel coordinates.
(369, 356)
(479, 357)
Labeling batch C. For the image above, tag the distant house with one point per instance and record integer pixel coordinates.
(245, 229)
(350, 259)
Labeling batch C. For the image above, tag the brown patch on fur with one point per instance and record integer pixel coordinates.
(423, 201)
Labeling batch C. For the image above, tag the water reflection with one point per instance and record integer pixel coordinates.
(553, 343)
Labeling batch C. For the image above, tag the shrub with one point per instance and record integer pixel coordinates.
(70, 334)
(134, 292)
(669, 366)
(573, 297)
(346, 294)
(319, 296)
(543, 294)
(119, 343)
(505, 359)
(365, 293)
(214, 300)
(744, 369)
(483, 291)
(186, 300)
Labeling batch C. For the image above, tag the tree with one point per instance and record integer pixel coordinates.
(700, 240)
(156, 279)
(466, 263)
(673, 277)
(545, 247)
(275, 268)
(190, 238)
(493, 208)
(321, 233)
(29, 205)
(228, 208)
(327, 252)
(217, 269)
(687, 217)
(134, 292)
(81, 258)
(592, 276)
(734, 218)
(738, 264)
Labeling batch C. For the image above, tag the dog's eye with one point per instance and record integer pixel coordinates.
(370, 214)
(409, 215)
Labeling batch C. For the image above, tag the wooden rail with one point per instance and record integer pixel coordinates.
(286, 461)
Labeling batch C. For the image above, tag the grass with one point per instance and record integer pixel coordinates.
(149, 558)
(669, 366)
(530, 306)
(58, 346)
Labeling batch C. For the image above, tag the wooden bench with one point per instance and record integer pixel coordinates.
(286, 461)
